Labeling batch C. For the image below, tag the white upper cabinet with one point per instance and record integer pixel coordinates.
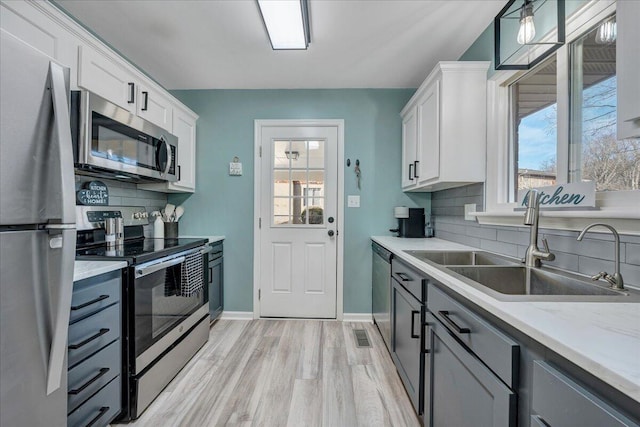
(628, 66)
(154, 107)
(107, 77)
(444, 128)
(100, 74)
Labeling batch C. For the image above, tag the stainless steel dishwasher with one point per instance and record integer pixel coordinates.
(381, 292)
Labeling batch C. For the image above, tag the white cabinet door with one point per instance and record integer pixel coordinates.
(154, 107)
(104, 77)
(409, 146)
(428, 167)
(184, 127)
(628, 64)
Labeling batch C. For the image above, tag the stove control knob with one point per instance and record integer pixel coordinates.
(137, 215)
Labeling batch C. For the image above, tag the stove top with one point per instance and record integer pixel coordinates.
(139, 250)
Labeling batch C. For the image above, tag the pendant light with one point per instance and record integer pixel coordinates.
(607, 32)
(527, 30)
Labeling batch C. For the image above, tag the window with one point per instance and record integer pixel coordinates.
(534, 142)
(534, 139)
(595, 153)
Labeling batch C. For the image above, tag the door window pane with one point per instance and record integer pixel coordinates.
(594, 151)
(534, 129)
(298, 182)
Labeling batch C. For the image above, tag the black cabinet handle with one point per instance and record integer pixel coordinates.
(415, 169)
(445, 315)
(413, 318)
(427, 337)
(179, 172)
(102, 372)
(88, 340)
(87, 304)
(103, 411)
(410, 166)
(404, 277)
(210, 274)
(145, 101)
(132, 93)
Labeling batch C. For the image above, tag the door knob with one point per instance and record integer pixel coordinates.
(330, 220)
(330, 233)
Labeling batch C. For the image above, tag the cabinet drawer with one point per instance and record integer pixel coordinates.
(560, 402)
(410, 278)
(95, 293)
(92, 374)
(90, 334)
(496, 350)
(101, 409)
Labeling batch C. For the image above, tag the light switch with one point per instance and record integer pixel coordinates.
(353, 201)
(235, 168)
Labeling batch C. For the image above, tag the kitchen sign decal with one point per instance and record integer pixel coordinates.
(578, 195)
(96, 193)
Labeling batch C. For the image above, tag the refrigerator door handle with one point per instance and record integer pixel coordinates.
(61, 306)
(62, 134)
(62, 236)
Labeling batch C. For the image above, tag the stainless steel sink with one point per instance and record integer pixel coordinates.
(462, 258)
(530, 284)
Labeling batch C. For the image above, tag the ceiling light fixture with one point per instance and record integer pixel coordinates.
(607, 32)
(527, 30)
(292, 155)
(287, 23)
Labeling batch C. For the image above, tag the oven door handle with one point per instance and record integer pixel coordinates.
(144, 271)
(206, 250)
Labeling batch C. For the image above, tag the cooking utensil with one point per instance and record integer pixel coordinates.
(178, 212)
(168, 211)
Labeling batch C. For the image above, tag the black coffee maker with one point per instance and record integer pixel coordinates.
(411, 222)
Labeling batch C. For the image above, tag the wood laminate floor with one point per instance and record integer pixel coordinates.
(285, 373)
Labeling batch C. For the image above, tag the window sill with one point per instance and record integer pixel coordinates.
(624, 220)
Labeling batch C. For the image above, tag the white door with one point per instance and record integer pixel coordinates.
(298, 217)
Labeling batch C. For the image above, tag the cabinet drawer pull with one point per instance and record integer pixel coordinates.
(88, 340)
(103, 411)
(410, 166)
(179, 173)
(413, 317)
(445, 315)
(404, 277)
(132, 93)
(87, 304)
(210, 274)
(102, 372)
(145, 102)
(415, 169)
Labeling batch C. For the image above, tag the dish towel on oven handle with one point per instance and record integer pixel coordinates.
(192, 280)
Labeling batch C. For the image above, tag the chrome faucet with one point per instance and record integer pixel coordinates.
(615, 281)
(534, 254)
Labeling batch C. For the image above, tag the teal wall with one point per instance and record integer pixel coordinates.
(223, 204)
(482, 47)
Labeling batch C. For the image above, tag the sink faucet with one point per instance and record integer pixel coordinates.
(615, 281)
(534, 254)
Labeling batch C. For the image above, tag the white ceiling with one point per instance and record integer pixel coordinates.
(223, 44)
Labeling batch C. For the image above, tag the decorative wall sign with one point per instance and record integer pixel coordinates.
(94, 193)
(580, 195)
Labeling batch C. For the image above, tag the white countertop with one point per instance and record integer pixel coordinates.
(86, 269)
(601, 338)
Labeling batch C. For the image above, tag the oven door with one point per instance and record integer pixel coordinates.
(109, 138)
(163, 308)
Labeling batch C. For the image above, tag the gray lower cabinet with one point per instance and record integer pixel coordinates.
(216, 281)
(95, 351)
(558, 401)
(459, 389)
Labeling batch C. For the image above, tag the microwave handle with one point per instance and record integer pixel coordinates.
(145, 271)
(168, 148)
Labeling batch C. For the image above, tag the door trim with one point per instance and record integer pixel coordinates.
(257, 200)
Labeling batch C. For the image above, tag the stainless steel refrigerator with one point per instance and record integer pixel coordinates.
(37, 236)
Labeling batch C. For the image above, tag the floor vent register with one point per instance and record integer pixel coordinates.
(362, 340)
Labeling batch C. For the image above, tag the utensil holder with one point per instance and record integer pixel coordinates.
(170, 230)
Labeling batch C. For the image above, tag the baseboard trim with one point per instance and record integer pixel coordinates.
(236, 315)
(357, 317)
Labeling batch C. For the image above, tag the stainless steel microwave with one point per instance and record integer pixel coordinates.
(111, 142)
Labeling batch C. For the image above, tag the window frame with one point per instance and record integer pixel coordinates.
(619, 208)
